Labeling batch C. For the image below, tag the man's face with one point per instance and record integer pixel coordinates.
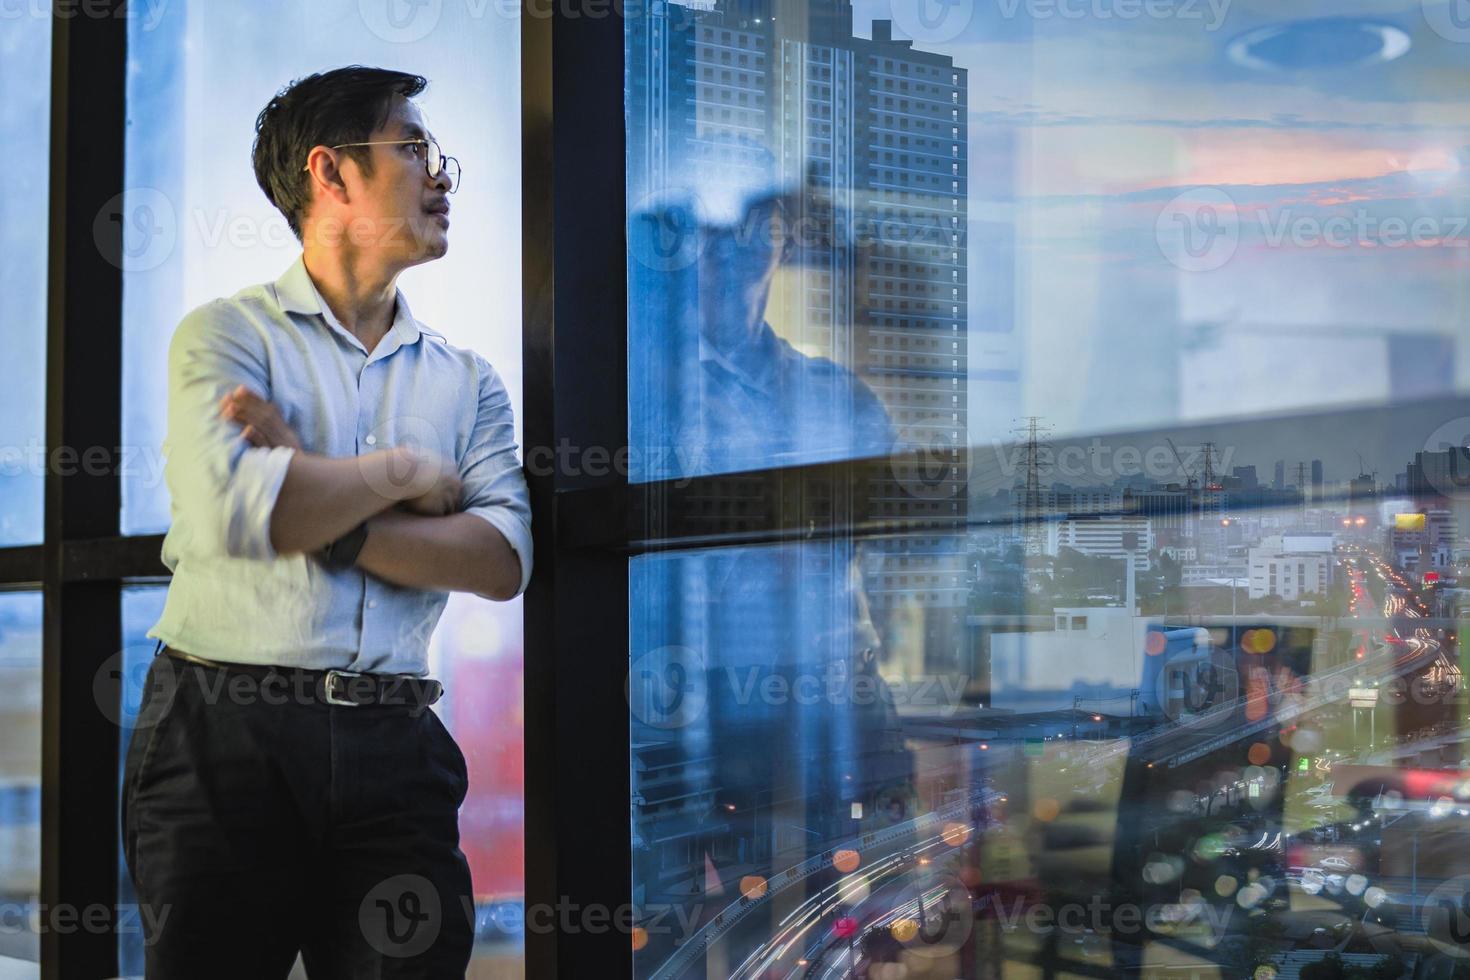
(400, 209)
(736, 267)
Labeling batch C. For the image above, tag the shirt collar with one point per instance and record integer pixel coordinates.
(296, 293)
(755, 363)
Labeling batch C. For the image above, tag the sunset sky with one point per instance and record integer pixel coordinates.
(1084, 128)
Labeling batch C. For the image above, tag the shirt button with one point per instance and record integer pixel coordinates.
(371, 440)
(372, 603)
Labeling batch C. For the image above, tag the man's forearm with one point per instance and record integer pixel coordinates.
(454, 553)
(323, 498)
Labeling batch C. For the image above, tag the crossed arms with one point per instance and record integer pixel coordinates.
(430, 526)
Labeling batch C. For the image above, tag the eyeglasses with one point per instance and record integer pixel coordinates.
(435, 162)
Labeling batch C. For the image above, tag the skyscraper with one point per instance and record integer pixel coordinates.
(864, 145)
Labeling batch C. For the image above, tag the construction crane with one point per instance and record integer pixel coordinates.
(1189, 481)
(1363, 468)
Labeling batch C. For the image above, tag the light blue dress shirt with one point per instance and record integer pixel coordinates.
(232, 597)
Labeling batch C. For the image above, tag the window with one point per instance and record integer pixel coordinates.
(25, 55)
(20, 777)
(1096, 601)
(221, 234)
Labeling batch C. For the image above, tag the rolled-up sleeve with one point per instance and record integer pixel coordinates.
(222, 488)
(494, 484)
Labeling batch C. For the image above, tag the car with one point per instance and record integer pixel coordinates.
(1335, 863)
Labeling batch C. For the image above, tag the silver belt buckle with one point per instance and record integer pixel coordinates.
(327, 691)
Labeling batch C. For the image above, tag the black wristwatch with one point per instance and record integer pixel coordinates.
(343, 552)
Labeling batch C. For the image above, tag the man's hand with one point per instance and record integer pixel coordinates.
(264, 426)
(437, 475)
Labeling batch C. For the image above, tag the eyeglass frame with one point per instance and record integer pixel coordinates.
(444, 158)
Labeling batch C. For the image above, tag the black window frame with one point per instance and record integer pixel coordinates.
(586, 528)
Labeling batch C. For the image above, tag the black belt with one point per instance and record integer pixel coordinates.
(339, 687)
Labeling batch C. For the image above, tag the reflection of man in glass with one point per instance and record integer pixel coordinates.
(805, 726)
(762, 403)
(336, 469)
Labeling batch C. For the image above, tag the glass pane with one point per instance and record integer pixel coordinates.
(477, 652)
(197, 227)
(25, 121)
(962, 214)
(20, 783)
(1100, 758)
(1178, 687)
(200, 228)
(141, 607)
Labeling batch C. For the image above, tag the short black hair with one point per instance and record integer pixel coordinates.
(343, 105)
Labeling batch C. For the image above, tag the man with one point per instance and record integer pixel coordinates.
(336, 468)
(793, 615)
